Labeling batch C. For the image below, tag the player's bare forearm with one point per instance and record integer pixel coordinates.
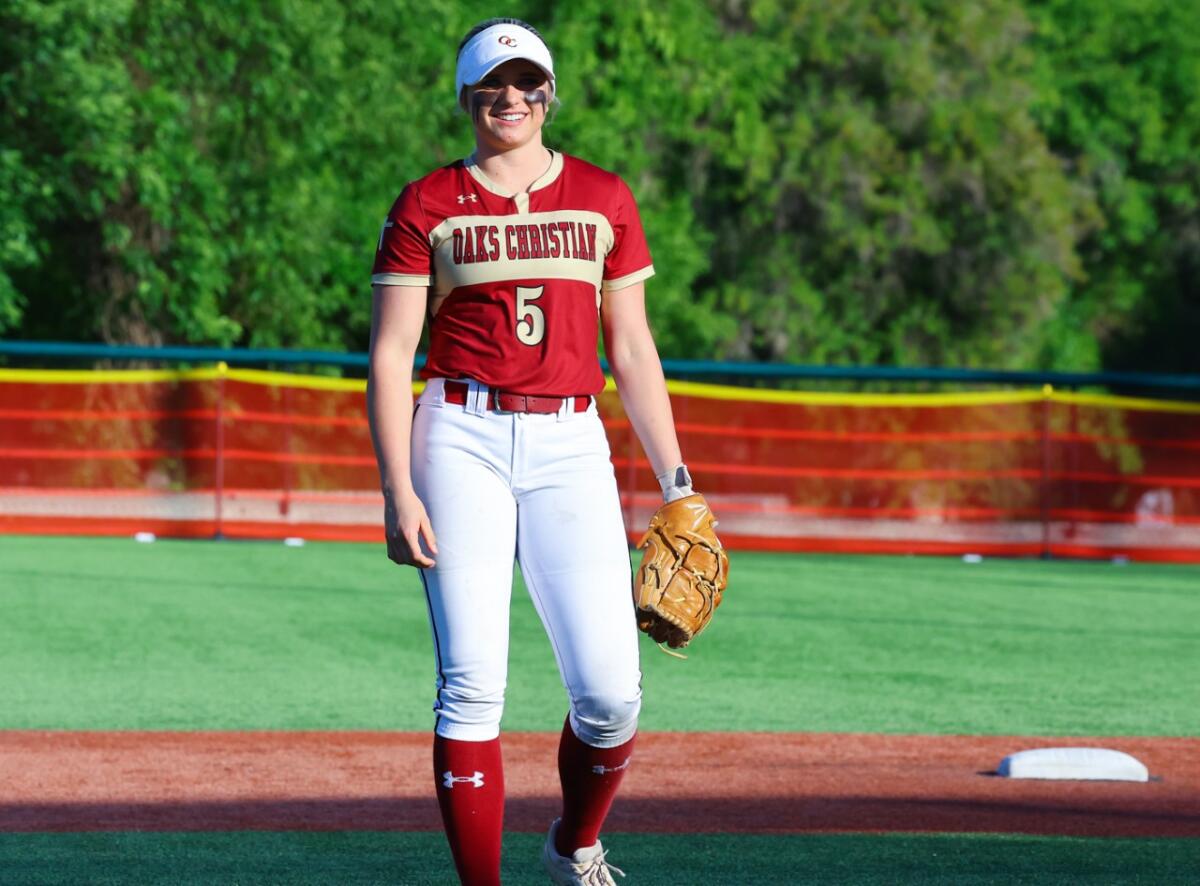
(637, 370)
(643, 392)
(389, 409)
(395, 330)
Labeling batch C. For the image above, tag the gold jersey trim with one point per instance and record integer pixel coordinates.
(553, 171)
(629, 279)
(561, 244)
(401, 280)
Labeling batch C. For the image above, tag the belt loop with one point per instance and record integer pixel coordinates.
(477, 396)
(567, 412)
(434, 393)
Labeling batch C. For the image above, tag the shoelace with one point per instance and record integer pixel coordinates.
(597, 868)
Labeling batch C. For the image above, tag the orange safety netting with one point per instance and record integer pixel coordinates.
(263, 455)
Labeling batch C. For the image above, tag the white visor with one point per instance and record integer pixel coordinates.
(491, 48)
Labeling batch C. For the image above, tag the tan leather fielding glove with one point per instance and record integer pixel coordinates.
(683, 573)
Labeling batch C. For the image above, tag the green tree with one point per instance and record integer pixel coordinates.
(996, 183)
(893, 199)
(212, 173)
(65, 121)
(1119, 101)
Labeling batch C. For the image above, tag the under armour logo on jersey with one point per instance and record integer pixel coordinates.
(449, 779)
(463, 198)
(604, 770)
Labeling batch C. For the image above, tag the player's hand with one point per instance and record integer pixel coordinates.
(406, 525)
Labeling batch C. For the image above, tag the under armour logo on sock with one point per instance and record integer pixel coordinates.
(449, 779)
(604, 770)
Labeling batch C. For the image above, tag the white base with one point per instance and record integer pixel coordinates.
(1097, 764)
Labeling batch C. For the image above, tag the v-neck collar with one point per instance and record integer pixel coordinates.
(544, 180)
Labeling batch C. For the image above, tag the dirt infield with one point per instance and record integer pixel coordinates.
(731, 782)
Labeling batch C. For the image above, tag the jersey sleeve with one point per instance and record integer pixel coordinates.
(404, 256)
(628, 262)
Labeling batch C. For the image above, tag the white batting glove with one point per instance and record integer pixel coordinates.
(675, 483)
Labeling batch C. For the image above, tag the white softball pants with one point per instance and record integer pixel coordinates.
(540, 488)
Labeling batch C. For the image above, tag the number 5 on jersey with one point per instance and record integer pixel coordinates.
(531, 321)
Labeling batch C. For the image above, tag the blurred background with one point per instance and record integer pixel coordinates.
(998, 183)
(940, 255)
(985, 213)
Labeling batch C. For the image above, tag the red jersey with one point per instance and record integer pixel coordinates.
(515, 280)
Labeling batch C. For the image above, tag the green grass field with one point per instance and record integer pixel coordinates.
(109, 634)
(292, 859)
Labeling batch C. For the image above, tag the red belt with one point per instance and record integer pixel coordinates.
(456, 393)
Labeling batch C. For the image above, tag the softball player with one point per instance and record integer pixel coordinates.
(518, 255)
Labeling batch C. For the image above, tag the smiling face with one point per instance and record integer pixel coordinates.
(508, 106)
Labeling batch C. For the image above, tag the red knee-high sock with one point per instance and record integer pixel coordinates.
(470, 789)
(590, 778)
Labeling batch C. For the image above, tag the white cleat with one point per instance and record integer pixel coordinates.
(585, 867)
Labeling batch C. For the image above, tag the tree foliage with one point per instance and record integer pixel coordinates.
(998, 183)
(1119, 104)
